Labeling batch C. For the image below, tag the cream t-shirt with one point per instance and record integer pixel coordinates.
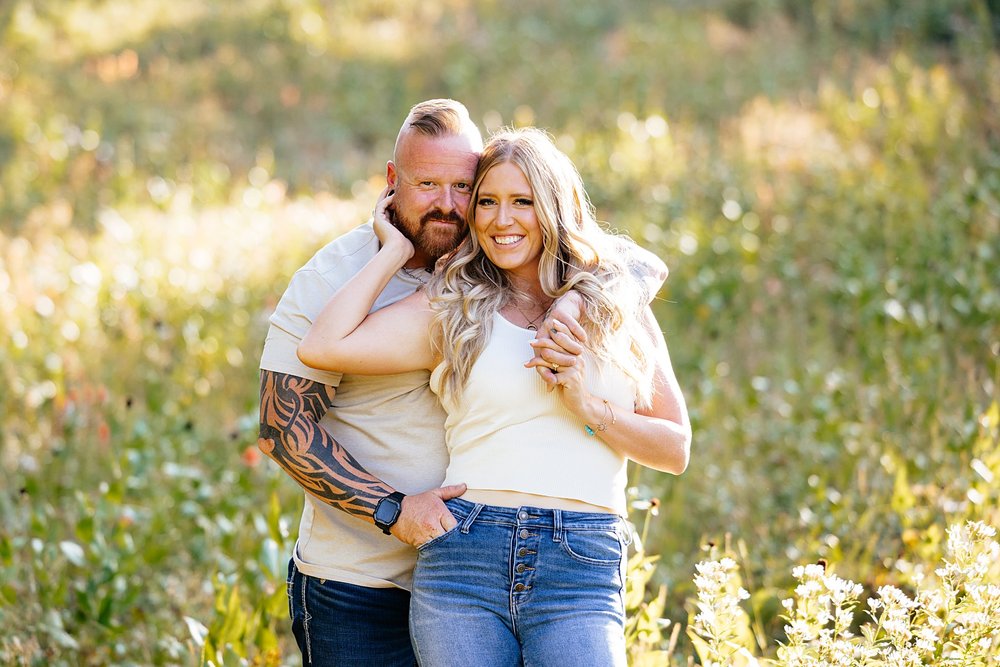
(392, 424)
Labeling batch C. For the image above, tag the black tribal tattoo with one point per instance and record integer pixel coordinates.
(290, 410)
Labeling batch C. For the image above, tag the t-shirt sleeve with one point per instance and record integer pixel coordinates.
(305, 297)
(649, 271)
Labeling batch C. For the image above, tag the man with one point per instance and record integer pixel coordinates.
(348, 579)
(372, 465)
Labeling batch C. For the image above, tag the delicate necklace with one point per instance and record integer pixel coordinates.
(420, 275)
(531, 320)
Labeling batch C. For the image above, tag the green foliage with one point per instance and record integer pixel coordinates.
(822, 178)
(135, 491)
(646, 613)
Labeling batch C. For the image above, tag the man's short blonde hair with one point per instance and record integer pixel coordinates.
(440, 118)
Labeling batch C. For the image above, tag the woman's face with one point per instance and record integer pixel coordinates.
(505, 222)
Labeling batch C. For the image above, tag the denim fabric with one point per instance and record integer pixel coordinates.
(346, 625)
(521, 586)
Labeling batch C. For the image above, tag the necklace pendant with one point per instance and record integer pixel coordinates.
(531, 327)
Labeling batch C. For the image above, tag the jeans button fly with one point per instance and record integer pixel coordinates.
(522, 515)
(524, 534)
(520, 567)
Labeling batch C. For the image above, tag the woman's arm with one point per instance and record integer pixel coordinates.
(394, 339)
(659, 436)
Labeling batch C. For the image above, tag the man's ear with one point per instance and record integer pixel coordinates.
(391, 175)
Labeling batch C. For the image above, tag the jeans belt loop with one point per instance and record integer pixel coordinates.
(557, 527)
(627, 530)
(476, 509)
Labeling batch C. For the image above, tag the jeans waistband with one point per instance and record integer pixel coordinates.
(526, 516)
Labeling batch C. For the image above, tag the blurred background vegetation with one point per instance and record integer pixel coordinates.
(823, 179)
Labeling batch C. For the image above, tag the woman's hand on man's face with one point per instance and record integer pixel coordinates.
(388, 234)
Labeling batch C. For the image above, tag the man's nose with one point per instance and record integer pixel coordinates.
(446, 201)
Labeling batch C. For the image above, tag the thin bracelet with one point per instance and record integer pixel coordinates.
(603, 426)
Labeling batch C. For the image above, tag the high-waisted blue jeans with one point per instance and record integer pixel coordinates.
(521, 586)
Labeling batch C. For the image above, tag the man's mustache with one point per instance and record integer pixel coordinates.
(441, 216)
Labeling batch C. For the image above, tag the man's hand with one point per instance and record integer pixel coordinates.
(425, 515)
(560, 338)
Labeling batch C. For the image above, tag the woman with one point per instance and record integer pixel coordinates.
(534, 571)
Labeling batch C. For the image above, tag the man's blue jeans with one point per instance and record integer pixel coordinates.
(521, 586)
(346, 625)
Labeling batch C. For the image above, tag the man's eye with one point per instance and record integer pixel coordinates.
(463, 186)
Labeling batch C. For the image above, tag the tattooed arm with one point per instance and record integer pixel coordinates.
(290, 434)
(290, 410)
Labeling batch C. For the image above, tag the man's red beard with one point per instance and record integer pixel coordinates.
(432, 241)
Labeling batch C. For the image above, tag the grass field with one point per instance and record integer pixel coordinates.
(822, 178)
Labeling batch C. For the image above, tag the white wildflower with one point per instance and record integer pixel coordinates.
(719, 613)
(951, 619)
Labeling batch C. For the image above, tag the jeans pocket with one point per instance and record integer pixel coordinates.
(602, 548)
(438, 539)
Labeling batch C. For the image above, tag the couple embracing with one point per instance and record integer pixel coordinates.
(458, 386)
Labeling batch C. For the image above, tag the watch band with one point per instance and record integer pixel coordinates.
(388, 511)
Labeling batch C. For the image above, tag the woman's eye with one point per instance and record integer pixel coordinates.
(485, 201)
(523, 202)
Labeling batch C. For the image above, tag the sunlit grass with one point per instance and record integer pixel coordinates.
(130, 425)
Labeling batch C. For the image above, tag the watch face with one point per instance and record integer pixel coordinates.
(387, 511)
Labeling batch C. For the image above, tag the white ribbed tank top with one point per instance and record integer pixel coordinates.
(509, 433)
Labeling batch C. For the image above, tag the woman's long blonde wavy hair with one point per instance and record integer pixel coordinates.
(576, 254)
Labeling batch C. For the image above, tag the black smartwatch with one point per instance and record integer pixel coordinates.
(387, 511)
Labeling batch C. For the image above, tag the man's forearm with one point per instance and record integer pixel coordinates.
(290, 410)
